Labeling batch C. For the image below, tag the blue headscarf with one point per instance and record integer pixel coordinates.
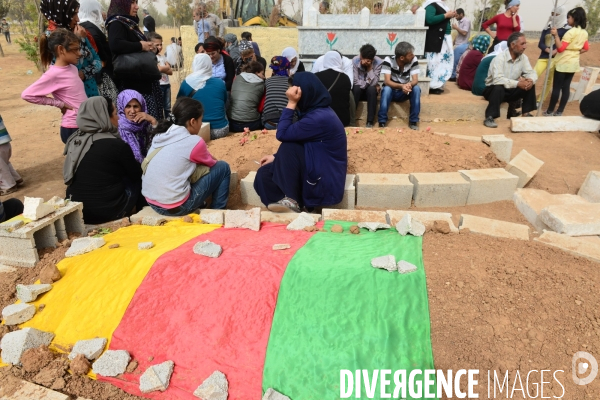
(314, 93)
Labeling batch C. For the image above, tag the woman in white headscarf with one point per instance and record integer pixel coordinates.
(200, 85)
(558, 20)
(90, 17)
(438, 44)
(337, 84)
(295, 64)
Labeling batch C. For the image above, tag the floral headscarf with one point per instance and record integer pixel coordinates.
(481, 43)
(280, 66)
(61, 13)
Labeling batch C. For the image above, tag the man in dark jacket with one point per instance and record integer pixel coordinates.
(149, 23)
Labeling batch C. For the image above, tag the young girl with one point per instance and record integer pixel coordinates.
(61, 80)
(566, 63)
(179, 172)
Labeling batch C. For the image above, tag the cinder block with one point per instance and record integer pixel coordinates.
(16, 314)
(354, 215)
(383, 190)
(284, 218)
(443, 189)
(249, 195)
(349, 199)
(60, 229)
(15, 343)
(573, 220)
(18, 252)
(91, 349)
(34, 208)
(205, 131)
(148, 212)
(554, 124)
(45, 237)
(11, 225)
(212, 216)
(74, 221)
(490, 185)
(28, 293)
(500, 145)
(590, 190)
(583, 246)
(493, 227)
(156, 377)
(247, 219)
(426, 218)
(233, 182)
(214, 387)
(111, 363)
(531, 202)
(525, 166)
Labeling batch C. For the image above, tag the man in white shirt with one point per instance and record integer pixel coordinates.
(174, 54)
(463, 27)
(509, 79)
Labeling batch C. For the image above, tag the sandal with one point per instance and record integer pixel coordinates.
(4, 192)
(284, 205)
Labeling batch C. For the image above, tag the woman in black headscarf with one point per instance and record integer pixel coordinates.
(125, 37)
(309, 168)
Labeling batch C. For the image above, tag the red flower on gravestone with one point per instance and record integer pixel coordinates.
(331, 39)
(392, 36)
(392, 40)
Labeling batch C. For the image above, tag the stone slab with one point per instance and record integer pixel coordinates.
(573, 220)
(583, 246)
(407, 225)
(91, 348)
(34, 208)
(476, 139)
(383, 190)
(500, 145)
(349, 200)
(373, 226)
(590, 189)
(208, 249)
(111, 363)
(249, 195)
(154, 221)
(493, 227)
(15, 343)
(157, 377)
(404, 267)
(215, 387)
(303, 220)
(15, 314)
(205, 131)
(442, 189)
(284, 218)
(212, 216)
(272, 394)
(525, 166)
(329, 214)
(30, 391)
(531, 202)
(28, 293)
(84, 245)
(554, 124)
(425, 217)
(490, 185)
(385, 262)
(148, 212)
(246, 219)
(281, 246)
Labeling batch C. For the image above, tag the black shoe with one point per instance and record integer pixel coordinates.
(436, 91)
(413, 126)
(490, 123)
(382, 124)
(452, 80)
(369, 125)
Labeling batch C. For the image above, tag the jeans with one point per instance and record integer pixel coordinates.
(215, 183)
(388, 95)
(237, 126)
(7, 36)
(458, 51)
(65, 133)
(370, 94)
(270, 127)
(166, 91)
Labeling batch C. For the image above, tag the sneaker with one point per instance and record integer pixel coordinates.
(527, 115)
(547, 113)
(4, 192)
(490, 123)
(382, 124)
(557, 113)
(20, 182)
(369, 125)
(413, 126)
(436, 91)
(284, 205)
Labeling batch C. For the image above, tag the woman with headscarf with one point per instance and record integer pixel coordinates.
(222, 65)
(468, 66)
(65, 15)
(275, 88)
(338, 85)
(135, 124)
(309, 168)
(200, 85)
(247, 99)
(295, 64)
(247, 55)
(125, 37)
(90, 17)
(558, 20)
(100, 169)
(483, 68)
(232, 47)
(506, 22)
(438, 44)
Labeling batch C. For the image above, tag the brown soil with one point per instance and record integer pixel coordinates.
(494, 303)
(80, 365)
(33, 360)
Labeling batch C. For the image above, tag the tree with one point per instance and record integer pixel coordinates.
(592, 9)
(488, 8)
(180, 11)
(4, 9)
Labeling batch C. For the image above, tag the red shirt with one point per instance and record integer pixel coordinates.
(504, 26)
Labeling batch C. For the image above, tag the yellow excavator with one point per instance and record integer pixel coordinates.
(254, 12)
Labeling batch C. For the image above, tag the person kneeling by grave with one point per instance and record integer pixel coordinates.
(10, 208)
(179, 173)
(400, 83)
(100, 169)
(309, 168)
(509, 79)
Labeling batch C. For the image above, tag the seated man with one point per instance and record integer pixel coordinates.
(509, 79)
(366, 71)
(400, 83)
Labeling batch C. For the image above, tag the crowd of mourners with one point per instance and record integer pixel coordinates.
(126, 147)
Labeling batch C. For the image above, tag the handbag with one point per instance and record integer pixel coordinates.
(137, 66)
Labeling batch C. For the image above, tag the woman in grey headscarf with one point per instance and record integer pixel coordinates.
(100, 170)
(232, 47)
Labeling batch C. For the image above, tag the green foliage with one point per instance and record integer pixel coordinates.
(592, 9)
(28, 44)
(180, 10)
(4, 8)
(389, 6)
(492, 7)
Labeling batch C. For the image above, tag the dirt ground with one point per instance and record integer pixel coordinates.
(495, 304)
